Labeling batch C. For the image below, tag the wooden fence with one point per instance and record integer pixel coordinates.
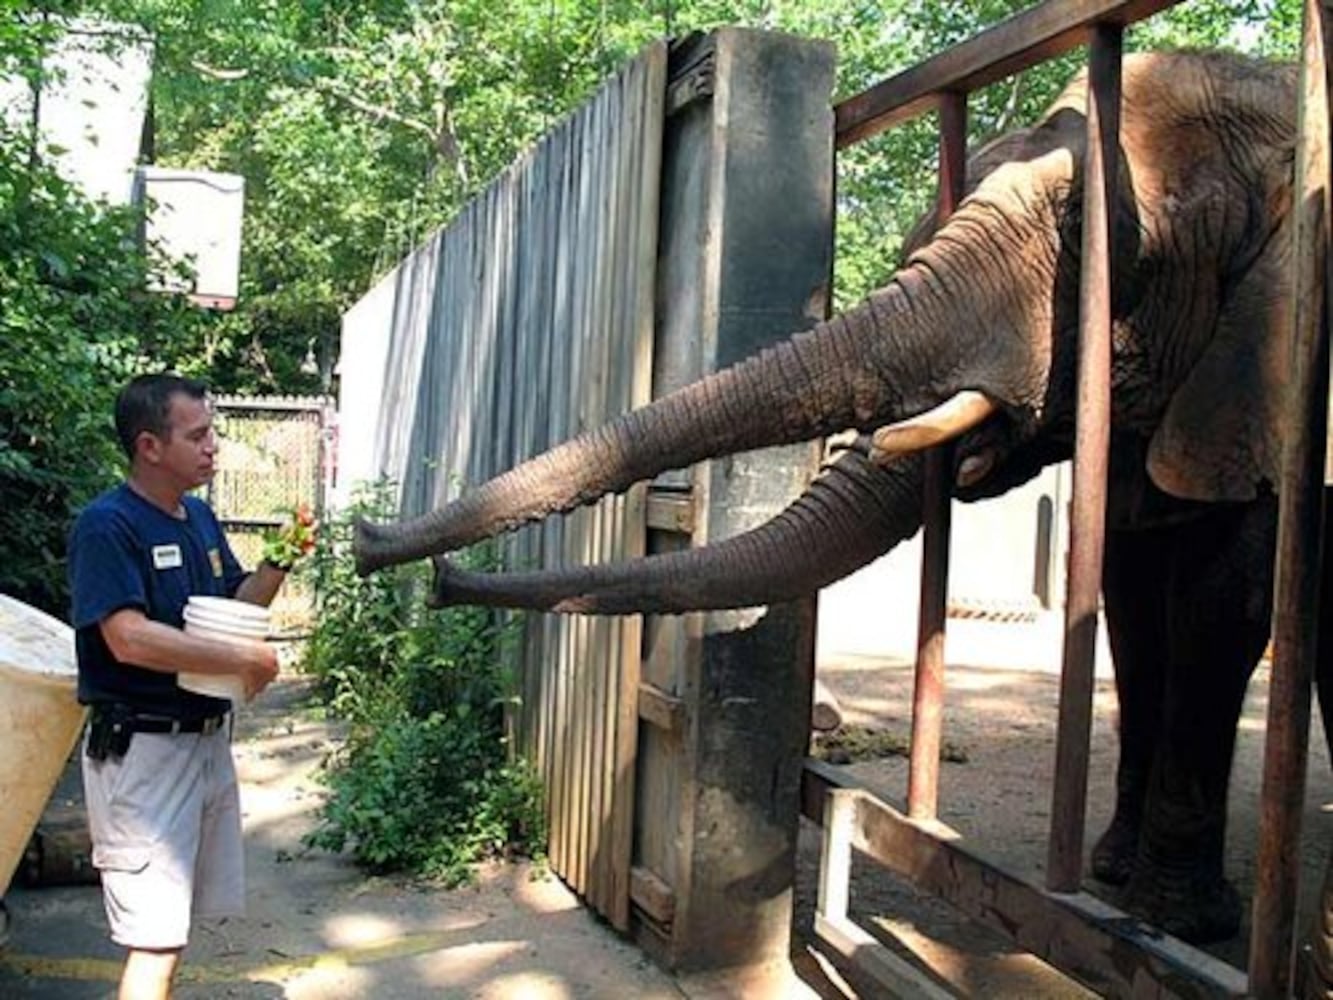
(526, 321)
(614, 262)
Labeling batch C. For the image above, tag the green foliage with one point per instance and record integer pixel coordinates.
(425, 783)
(75, 323)
(359, 128)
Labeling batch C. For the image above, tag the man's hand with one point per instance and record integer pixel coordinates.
(260, 673)
(133, 638)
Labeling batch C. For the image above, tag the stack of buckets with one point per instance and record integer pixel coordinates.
(40, 721)
(228, 620)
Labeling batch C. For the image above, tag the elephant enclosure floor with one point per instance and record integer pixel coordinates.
(1001, 707)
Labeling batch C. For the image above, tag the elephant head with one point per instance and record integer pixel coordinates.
(973, 340)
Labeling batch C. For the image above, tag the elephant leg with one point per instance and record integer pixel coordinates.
(1219, 602)
(1134, 588)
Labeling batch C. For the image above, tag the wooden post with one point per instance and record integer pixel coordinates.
(745, 258)
(1300, 534)
(1091, 449)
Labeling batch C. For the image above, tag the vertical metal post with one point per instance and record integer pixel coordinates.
(1091, 449)
(1300, 534)
(928, 693)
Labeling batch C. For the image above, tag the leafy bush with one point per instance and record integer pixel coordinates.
(425, 783)
(75, 323)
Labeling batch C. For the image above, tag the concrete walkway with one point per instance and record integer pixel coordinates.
(318, 928)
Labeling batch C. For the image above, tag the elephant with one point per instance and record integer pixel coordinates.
(974, 341)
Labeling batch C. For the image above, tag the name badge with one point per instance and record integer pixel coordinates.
(166, 556)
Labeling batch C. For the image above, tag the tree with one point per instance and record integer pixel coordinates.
(359, 128)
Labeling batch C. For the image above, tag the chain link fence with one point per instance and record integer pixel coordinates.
(275, 453)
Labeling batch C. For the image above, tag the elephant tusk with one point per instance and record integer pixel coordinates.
(945, 422)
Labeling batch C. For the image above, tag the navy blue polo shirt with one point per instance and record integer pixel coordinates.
(125, 552)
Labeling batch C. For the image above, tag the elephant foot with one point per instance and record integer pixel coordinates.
(1113, 854)
(1194, 909)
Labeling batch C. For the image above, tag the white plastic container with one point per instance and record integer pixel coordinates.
(40, 720)
(230, 608)
(221, 623)
(229, 621)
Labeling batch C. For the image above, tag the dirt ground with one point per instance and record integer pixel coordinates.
(318, 929)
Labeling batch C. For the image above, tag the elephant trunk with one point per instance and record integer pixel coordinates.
(854, 512)
(817, 383)
(944, 324)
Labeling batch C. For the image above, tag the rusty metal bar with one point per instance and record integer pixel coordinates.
(928, 692)
(1300, 533)
(1091, 449)
(1032, 36)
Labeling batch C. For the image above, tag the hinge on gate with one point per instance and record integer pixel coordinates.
(693, 79)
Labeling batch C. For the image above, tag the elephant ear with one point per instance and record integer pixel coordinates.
(1221, 435)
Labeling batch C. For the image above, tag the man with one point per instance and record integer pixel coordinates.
(160, 785)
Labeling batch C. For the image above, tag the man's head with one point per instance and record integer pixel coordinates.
(165, 425)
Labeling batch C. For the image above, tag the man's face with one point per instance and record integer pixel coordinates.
(185, 455)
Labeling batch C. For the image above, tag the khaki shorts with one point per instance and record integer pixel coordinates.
(166, 831)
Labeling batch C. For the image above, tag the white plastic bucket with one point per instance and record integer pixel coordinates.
(40, 721)
(220, 623)
(230, 608)
(229, 621)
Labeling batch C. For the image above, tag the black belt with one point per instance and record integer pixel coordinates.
(158, 724)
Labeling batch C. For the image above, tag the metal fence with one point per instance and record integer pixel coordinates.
(274, 454)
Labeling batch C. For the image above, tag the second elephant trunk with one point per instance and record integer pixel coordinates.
(854, 512)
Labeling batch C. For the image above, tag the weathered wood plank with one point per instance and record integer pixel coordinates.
(671, 512)
(1075, 932)
(898, 977)
(1092, 447)
(937, 505)
(657, 708)
(641, 164)
(653, 896)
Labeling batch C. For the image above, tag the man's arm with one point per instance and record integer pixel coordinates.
(261, 586)
(134, 638)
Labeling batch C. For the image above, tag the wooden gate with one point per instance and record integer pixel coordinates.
(524, 322)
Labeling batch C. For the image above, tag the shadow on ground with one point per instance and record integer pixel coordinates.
(317, 927)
